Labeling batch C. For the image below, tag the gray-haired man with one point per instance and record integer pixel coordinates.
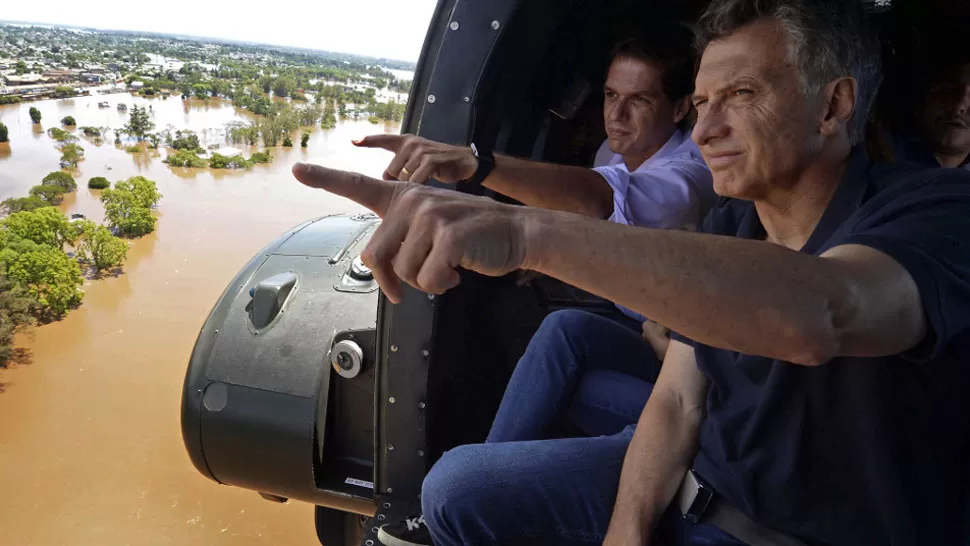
(816, 392)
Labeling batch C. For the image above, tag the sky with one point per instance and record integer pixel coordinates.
(392, 29)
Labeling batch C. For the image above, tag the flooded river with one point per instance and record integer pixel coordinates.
(90, 447)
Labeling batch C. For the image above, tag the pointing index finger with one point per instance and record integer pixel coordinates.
(391, 143)
(369, 192)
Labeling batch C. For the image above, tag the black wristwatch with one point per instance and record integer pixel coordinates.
(486, 162)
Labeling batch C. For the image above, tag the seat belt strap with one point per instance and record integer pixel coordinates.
(699, 503)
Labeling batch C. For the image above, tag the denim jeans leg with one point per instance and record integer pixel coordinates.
(538, 492)
(567, 344)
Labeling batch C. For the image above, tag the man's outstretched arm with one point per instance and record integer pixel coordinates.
(545, 185)
(662, 449)
(749, 296)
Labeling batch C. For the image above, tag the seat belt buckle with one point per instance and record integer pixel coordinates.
(694, 498)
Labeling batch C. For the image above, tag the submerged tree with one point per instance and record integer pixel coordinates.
(139, 124)
(128, 207)
(49, 276)
(4, 134)
(44, 226)
(71, 154)
(15, 314)
(35, 115)
(99, 247)
(51, 194)
(62, 179)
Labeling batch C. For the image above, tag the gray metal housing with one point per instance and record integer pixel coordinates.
(260, 389)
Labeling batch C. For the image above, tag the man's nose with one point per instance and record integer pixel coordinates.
(711, 125)
(618, 111)
(963, 106)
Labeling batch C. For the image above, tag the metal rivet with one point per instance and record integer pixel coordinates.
(430, 296)
(387, 505)
(393, 348)
(389, 490)
(467, 99)
(390, 447)
(369, 542)
(217, 331)
(496, 25)
(431, 99)
(373, 529)
(391, 400)
(453, 25)
(381, 517)
(421, 405)
(425, 352)
(420, 453)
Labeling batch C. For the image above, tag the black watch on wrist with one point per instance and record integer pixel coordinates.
(486, 162)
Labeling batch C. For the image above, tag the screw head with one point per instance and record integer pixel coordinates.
(430, 296)
(496, 25)
(453, 25)
(467, 99)
(425, 352)
(431, 99)
(391, 400)
(393, 348)
(421, 405)
(389, 490)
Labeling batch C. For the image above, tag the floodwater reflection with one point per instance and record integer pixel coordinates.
(91, 451)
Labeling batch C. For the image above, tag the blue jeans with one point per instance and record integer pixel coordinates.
(520, 487)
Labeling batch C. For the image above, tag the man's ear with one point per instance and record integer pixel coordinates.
(681, 109)
(838, 100)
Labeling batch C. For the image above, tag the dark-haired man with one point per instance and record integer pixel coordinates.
(649, 173)
(943, 135)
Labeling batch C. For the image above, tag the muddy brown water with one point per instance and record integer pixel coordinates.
(90, 446)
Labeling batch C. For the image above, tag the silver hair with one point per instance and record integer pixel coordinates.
(827, 39)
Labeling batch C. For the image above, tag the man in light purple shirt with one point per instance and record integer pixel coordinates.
(591, 373)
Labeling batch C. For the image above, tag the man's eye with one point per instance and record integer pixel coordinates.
(699, 102)
(739, 92)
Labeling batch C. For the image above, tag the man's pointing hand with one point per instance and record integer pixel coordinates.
(427, 233)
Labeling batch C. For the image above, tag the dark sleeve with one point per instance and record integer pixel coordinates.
(924, 224)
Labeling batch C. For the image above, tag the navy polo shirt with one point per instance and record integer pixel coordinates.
(857, 450)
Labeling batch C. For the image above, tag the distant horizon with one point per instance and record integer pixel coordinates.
(378, 29)
(204, 39)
